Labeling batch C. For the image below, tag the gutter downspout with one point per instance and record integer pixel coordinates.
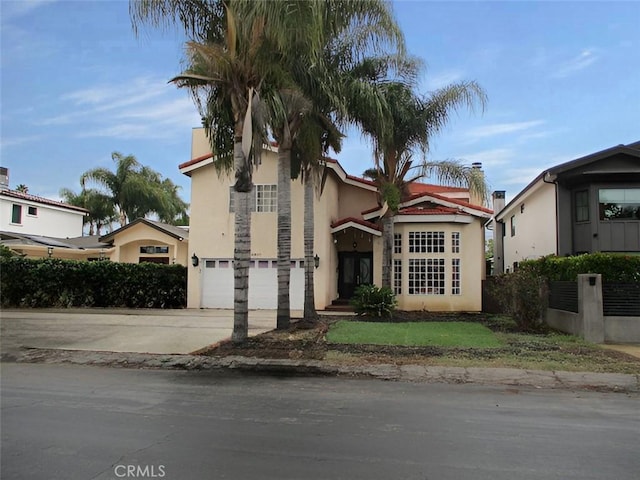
(555, 191)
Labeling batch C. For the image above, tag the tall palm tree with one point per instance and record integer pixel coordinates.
(100, 206)
(412, 121)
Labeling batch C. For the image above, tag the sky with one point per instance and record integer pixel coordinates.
(562, 80)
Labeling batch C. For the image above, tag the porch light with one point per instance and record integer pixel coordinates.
(49, 251)
(316, 261)
(195, 261)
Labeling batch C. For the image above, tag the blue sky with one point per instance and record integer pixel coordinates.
(563, 80)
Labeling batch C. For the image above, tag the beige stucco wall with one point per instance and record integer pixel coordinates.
(471, 265)
(128, 242)
(535, 226)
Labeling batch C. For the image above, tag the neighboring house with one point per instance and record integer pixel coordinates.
(139, 241)
(33, 215)
(591, 204)
(146, 240)
(439, 239)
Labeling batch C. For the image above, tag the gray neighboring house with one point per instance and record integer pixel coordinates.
(591, 204)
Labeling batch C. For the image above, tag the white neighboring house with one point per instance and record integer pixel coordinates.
(30, 214)
(590, 204)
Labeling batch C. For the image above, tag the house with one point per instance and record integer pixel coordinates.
(142, 240)
(145, 240)
(590, 204)
(25, 213)
(438, 254)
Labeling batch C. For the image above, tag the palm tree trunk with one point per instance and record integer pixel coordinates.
(242, 250)
(284, 236)
(310, 313)
(387, 248)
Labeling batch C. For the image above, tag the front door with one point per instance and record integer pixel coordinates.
(354, 269)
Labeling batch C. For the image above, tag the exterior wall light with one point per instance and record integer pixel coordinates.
(316, 261)
(195, 261)
(49, 251)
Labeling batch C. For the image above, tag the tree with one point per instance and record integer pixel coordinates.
(100, 206)
(411, 121)
(136, 190)
(22, 188)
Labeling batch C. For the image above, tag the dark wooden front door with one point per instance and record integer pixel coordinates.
(354, 269)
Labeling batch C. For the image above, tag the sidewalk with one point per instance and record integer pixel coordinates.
(613, 382)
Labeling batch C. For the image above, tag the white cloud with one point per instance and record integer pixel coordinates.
(442, 79)
(490, 158)
(501, 128)
(11, 10)
(140, 107)
(586, 58)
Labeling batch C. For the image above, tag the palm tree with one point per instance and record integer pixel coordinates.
(412, 122)
(22, 188)
(136, 190)
(100, 206)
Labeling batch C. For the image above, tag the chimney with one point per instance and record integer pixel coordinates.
(476, 165)
(498, 201)
(4, 178)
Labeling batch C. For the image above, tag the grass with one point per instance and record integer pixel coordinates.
(439, 334)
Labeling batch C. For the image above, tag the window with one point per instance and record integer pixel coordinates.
(33, 211)
(455, 276)
(397, 243)
(426, 242)
(619, 203)
(455, 242)
(264, 198)
(426, 276)
(582, 206)
(513, 225)
(16, 214)
(397, 277)
(154, 249)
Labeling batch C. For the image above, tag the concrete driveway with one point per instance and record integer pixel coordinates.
(124, 330)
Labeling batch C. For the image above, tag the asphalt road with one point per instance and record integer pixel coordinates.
(71, 422)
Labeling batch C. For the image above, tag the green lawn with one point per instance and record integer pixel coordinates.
(441, 334)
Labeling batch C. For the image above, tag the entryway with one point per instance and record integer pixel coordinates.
(354, 269)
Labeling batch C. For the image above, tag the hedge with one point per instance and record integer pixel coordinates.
(41, 283)
(613, 267)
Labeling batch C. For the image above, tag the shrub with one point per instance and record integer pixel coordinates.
(373, 301)
(69, 283)
(524, 296)
(614, 267)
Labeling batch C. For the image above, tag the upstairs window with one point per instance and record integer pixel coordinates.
(513, 225)
(264, 198)
(397, 243)
(16, 214)
(455, 242)
(619, 203)
(32, 211)
(582, 206)
(426, 242)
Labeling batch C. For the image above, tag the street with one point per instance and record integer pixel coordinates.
(73, 422)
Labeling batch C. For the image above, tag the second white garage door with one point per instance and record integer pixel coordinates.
(217, 284)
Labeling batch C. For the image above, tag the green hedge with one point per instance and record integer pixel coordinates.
(68, 283)
(612, 266)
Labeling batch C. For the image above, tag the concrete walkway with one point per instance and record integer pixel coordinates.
(123, 330)
(633, 350)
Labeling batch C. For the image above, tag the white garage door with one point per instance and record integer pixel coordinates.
(217, 284)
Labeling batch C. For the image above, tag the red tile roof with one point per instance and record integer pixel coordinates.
(359, 221)
(195, 160)
(44, 201)
(432, 210)
(457, 201)
(417, 187)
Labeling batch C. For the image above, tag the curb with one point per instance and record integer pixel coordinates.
(611, 382)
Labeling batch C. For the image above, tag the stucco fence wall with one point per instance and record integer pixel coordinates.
(589, 321)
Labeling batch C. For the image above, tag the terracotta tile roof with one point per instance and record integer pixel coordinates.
(457, 201)
(359, 221)
(194, 161)
(350, 177)
(371, 210)
(417, 187)
(44, 201)
(431, 210)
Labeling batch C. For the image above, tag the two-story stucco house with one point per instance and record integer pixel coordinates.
(590, 204)
(438, 254)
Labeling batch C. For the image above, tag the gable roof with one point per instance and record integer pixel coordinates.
(171, 230)
(76, 243)
(356, 223)
(41, 200)
(551, 174)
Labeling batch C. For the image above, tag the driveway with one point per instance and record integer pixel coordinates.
(123, 330)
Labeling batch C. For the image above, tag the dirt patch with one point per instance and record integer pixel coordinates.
(307, 341)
